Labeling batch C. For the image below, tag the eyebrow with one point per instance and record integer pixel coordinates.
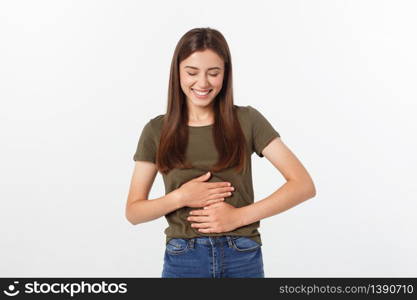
(212, 68)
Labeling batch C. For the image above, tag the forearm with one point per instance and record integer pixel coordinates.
(141, 211)
(288, 195)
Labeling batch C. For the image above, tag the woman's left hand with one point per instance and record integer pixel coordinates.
(216, 218)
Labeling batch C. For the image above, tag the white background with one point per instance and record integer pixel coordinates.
(80, 79)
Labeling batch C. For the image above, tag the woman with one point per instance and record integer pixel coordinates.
(202, 147)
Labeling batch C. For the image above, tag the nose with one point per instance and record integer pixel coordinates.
(203, 82)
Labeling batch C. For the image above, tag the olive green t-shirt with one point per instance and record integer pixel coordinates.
(201, 153)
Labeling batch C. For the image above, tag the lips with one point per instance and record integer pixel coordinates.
(201, 92)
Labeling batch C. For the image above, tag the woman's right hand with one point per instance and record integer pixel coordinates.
(198, 193)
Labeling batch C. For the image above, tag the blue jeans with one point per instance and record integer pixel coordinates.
(213, 257)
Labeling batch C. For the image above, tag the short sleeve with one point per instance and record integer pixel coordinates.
(146, 147)
(262, 131)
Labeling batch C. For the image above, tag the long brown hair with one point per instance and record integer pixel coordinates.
(227, 132)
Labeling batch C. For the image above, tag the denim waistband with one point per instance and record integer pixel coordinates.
(210, 240)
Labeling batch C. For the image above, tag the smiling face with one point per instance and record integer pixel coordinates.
(201, 77)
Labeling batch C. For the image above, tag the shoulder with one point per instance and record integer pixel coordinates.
(152, 128)
(248, 113)
(155, 123)
(242, 111)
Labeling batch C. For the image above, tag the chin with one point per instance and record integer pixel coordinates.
(201, 102)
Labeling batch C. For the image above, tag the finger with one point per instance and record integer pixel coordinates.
(214, 205)
(226, 194)
(215, 196)
(210, 206)
(222, 190)
(198, 212)
(198, 219)
(202, 178)
(205, 230)
(200, 225)
(214, 185)
(209, 202)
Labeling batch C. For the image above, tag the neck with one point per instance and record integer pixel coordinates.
(200, 114)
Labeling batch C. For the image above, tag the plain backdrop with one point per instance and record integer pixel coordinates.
(80, 79)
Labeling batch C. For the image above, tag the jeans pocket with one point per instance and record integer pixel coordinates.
(242, 243)
(177, 246)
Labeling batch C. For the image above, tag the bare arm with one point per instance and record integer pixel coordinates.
(140, 209)
(298, 188)
(193, 193)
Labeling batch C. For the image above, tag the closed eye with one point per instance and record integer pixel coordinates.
(214, 75)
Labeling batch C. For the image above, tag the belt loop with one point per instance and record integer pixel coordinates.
(229, 241)
(191, 242)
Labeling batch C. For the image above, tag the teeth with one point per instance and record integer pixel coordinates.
(201, 93)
